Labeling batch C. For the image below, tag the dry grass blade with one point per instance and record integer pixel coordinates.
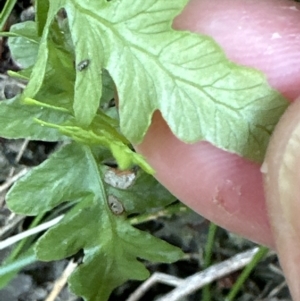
(61, 282)
(217, 271)
(19, 156)
(155, 278)
(12, 240)
(12, 221)
(12, 180)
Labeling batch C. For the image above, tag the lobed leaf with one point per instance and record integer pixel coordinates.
(24, 44)
(110, 244)
(200, 94)
(89, 62)
(111, 248)
(54, 181)
(186, 76)
(16, 121)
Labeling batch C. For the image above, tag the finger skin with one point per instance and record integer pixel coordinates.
(260, 34)
(282, 186)
(221, 186)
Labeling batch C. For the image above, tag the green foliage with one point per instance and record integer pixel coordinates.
(6, 11)
(111, 245)
(9, 270)
(77, 53)
(16, 121)
(24, 43)
(201, 94)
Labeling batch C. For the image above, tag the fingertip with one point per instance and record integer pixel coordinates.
(223, 187)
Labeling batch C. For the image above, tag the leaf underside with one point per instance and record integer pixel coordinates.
(199, 92)
(201, 95)
(111, 245)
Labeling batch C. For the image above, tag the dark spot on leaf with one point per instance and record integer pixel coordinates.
(83, 65)
(115, 205)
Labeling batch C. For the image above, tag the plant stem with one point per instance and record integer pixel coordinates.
(20, 256)
(9, 270)
(206, 294)
(6, 11)
(166, 212)
(262, 252)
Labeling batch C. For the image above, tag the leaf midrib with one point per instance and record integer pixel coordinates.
(155, 58)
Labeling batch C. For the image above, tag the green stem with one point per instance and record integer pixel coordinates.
(18, 264)
(34, 102)
(6, 11)
(262, 252)
(9, 270)
(17, 75)
(21, 256)
(206, 293)
(168, 211)
(18, 249)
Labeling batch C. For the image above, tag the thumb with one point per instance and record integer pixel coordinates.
(282, 186)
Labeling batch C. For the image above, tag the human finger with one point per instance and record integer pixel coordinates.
(224, 187)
